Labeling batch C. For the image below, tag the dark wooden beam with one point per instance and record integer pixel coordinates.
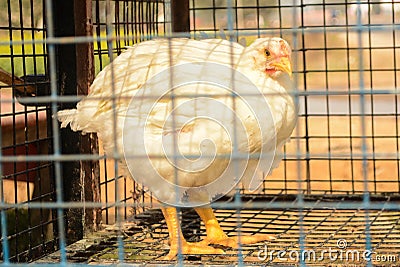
(180, 15)
(90, 170)
(19, 84)
(75, 73)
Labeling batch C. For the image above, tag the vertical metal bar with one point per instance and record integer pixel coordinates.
(366, 197)
(327, 98)
(349, 98)
(56, 138)
(135, 21)
(115, 153)
(3, 215)
(181, 23)
(180, 15)
(232, 19)
(125, 21)
(176, 25)
(372, 116)
(214, 9)
(300, 191)
(14, 143)
(167, 17)
(98, 33)
(117, 26)
(396, 97)
(47, 28)
(99, 27)
(258, 18)
(155, 10)
(140, 20)
(305, 82)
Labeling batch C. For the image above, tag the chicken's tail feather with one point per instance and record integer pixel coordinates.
(66, 117)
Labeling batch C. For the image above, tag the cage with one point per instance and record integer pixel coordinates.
(333, 200)
(30, 232)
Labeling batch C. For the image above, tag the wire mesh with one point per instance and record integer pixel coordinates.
(338, 181)
(129, 22)
(27, 233)
(329, 84)
(339, 232)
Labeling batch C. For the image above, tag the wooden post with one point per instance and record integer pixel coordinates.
(75, 67)
(180, 15)
(90, 172)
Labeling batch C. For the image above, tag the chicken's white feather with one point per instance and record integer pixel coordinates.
(133, 71)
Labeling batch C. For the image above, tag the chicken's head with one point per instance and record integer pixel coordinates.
(271, 56)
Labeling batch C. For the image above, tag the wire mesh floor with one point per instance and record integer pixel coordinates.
(333, 237)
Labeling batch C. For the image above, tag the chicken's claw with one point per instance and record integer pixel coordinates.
(216, 236)
(234, 241)
(188, 248)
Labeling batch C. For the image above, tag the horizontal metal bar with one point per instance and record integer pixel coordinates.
(62, 264)
(338, 204)
(291, 5)
(53, 157)
(234, 33)
(298, 156)
(317, 92)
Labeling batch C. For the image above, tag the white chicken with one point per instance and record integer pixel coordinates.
(183, 110)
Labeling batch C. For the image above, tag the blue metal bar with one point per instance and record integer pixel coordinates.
(116, 155)
(56, 132)
(366, 199)
(3, 214)
(394, 205)
(300, 198)
(316, 29)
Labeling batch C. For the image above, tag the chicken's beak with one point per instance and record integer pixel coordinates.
(284, 65)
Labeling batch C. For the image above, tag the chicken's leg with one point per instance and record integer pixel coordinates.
(178, 241)
(215, 235)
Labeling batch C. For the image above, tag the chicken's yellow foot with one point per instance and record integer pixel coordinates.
(178, 242)
(215, 234)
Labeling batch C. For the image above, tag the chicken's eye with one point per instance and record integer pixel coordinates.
(267, 53)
